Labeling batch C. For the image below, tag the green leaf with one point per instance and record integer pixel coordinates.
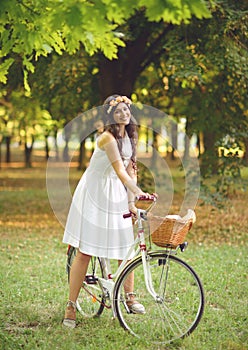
(25, 81)
(198, 8)
(73, 17)
(29, 65)
(4, 68)
(174, 11)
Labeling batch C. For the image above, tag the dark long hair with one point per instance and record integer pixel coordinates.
(114, 128)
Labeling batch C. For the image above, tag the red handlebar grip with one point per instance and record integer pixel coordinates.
(144, 198)
(125, 216)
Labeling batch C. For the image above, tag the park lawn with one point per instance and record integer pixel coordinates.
(34, 282)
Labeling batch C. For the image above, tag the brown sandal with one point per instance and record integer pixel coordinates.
(70, 315)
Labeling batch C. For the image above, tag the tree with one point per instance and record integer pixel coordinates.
(178, 68)
(44, 28)
(204, 67)
(219, 100)
(31, 29)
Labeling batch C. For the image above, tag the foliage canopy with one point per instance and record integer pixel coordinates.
(33, 28)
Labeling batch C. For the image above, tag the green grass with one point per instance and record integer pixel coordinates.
(34, 283)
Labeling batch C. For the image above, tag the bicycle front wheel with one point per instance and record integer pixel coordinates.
(179, 305)
(90, 302)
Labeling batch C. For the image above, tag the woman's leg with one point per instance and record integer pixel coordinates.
(77, 275)
(133, 305)
(129, 283)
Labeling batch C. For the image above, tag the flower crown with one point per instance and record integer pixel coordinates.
(117, 100)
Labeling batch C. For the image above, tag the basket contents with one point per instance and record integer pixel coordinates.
(170, 231)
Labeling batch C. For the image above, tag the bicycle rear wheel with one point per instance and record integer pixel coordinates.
(178, 308)
(90, 302)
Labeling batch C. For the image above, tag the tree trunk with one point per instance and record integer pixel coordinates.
(46, 147)
(199, 144)
(154, 150)
(0, 153)
(187, 137)
(82, 156)
(118, 76)
(174, 143)
(209, 163)
(245, 157)
(147, 140)
(66, 157)
(67, 135)
(28, 153)
(186, 154)
(56, 144)
(8, 140)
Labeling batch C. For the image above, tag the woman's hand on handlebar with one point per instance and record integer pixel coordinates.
(146, 196)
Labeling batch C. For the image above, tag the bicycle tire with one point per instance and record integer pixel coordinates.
(90, 302)
(181, 303)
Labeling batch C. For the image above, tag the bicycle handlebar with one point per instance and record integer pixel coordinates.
(128, 215)
(151, 199)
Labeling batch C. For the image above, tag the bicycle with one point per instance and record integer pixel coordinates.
(168, 287)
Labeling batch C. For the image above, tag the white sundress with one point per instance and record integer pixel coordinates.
(95, 222)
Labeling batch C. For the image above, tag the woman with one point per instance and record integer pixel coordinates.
(107, 189)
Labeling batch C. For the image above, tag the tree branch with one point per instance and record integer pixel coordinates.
(156, 48)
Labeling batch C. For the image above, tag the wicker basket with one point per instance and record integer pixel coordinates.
(144, 205)
(166, 232)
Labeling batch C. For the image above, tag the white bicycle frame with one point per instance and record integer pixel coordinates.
(107, 283)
